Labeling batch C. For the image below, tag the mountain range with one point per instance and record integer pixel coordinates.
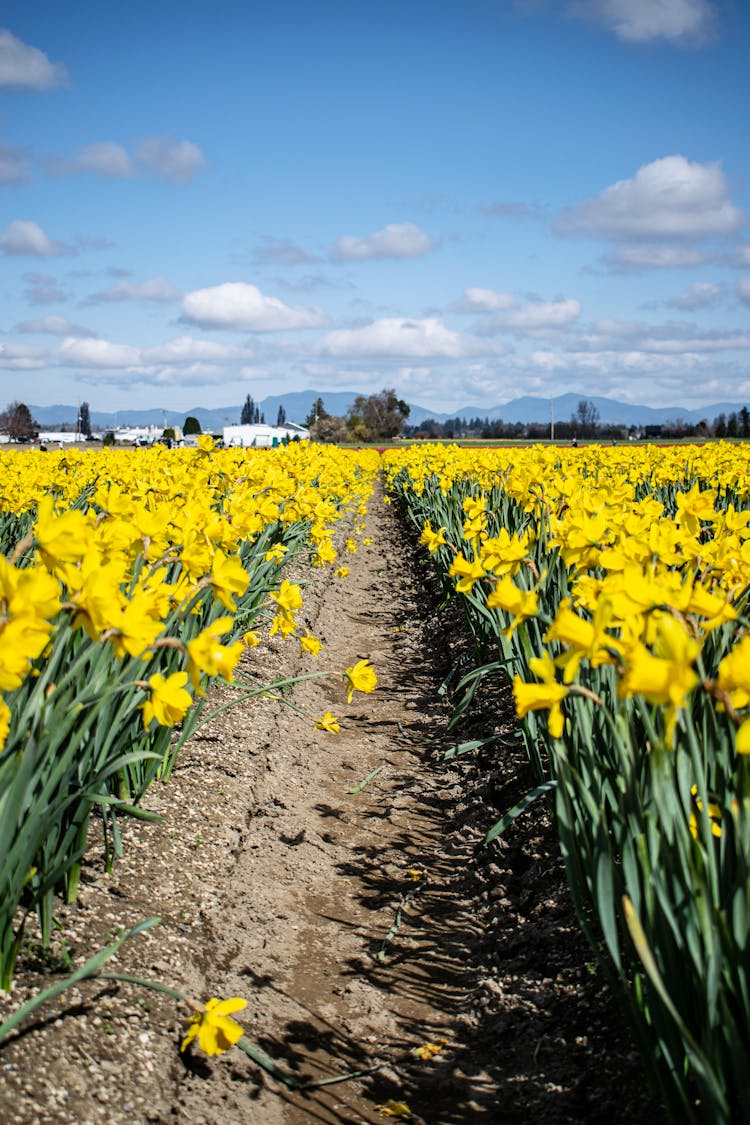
(298, 405)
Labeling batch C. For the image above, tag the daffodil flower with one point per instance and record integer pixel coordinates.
(168, 701)
(544, 696)
(361, 677)
(213, 1028)
(328, 722)
(310, 644)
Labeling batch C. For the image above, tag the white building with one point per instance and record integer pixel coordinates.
(260, 436)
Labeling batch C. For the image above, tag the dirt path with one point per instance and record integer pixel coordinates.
(278, 881)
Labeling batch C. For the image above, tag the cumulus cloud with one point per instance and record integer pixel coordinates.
(104, 158)
(187, 350)
(184, 353)
(14, 166)
(699, 295)
(654, 256)
(22, 357)
(43, 289)
(27, 68)
(25, 237)
(741, 257)
(397, 240)
(152, 289)
(476, 300)
(239, 305)
(75, 352)
(281, 251)
(53, 326)
(163, 158)
(645, 21)
(543, 316)
(672, 338)
(395, 336)
(667, 199)
(169, 159)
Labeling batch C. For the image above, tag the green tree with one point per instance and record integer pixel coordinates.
(378, 417)
(281, 416)
(17, 423)
(317, 413)
(192, 426)
(248, 412)
(84, 419)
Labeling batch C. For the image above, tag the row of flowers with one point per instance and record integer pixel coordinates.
(128, 581)
(612, 585)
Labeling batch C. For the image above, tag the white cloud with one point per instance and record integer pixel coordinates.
(643, 21)
(743, 290)
(397, 240)
(53, 326)
(26, 67)
(673, 338)
(238, 305)
(542, 316)
(281, 251)
(22, 357)
(169, 159)
(476, 300)
(395, 336)
(742, 256)
(152, 289)
(75, 352)
(699, 295)
(23, 236)
(654, 255)
(104, 158)
(163, 158)
(669, 198)
(14, 167)
(187, 350)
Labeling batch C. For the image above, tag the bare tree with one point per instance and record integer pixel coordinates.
(17, 423)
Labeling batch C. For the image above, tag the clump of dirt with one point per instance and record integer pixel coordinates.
(340, 884)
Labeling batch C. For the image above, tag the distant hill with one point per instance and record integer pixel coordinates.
(298, 404)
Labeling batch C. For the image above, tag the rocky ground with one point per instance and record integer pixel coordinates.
(281, 874)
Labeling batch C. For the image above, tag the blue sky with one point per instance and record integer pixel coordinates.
(466, 200)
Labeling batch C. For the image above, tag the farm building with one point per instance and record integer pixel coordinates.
(260, 436)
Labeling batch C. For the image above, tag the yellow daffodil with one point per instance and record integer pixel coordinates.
(428, 1050)
(288, 598)
(393, 1108)
(468, 571)
(213, 1028)
(432, 540)
(360, 677)
(310, 644)
(328, 722)
(341, 572)
(520, 604)
(544, 696)
(168, 700)
(4, 722)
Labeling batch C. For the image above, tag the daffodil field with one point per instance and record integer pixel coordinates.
(611, 586)
(128, 581)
